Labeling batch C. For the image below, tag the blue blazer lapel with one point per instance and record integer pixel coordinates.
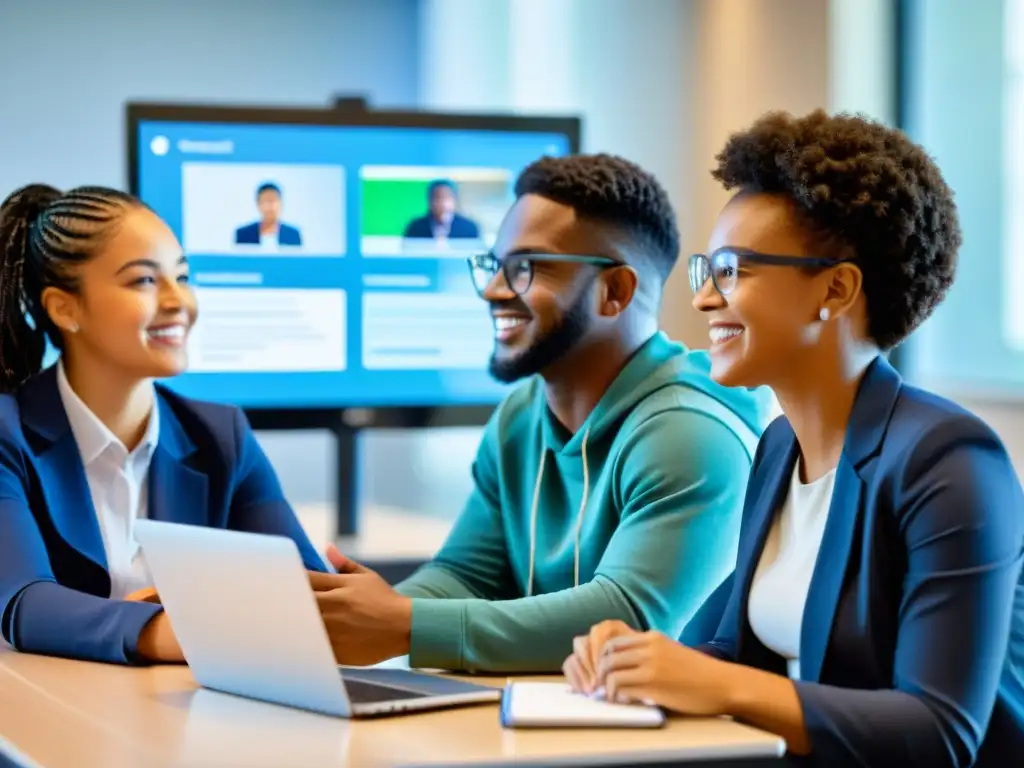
(830, 569)
(177, 492)
(869, 420)
(61, 472)
(768, 493)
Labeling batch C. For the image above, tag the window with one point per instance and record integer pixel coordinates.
(1013, 154)
(967, 109)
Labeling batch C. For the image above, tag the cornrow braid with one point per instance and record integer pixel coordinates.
(44, 236)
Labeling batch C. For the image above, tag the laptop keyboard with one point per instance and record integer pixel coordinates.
(371, 693)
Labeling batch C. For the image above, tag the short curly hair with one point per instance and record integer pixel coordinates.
(867, 193)
(614, 191)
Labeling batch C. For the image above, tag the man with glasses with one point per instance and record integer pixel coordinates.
(609, 484)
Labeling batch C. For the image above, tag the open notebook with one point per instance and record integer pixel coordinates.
(556, 705)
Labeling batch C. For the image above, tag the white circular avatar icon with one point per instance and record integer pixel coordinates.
(160, 145)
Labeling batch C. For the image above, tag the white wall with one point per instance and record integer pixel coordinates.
(863, 58)
(67, 69)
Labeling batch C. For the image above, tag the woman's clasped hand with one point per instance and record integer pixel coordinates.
(633, 666)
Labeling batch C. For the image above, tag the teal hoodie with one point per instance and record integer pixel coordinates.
(635, 517)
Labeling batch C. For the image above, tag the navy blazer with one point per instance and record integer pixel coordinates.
(912, 643)
(250, 235)
(461, 228)
(207, 469)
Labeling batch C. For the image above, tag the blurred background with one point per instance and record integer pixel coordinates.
(662, 82)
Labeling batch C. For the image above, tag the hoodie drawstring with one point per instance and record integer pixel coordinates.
(579, 515)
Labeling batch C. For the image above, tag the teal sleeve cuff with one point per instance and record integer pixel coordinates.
(438, 628)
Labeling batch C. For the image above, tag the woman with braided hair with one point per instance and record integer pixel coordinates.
(92, 443)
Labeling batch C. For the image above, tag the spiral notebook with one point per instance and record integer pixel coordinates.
(556, 705)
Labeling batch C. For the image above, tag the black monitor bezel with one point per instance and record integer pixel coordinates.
(346, 417)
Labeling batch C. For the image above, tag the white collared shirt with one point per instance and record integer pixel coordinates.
(118, 486)
(270, 240)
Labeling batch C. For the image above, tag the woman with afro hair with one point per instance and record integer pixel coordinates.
(876, 612)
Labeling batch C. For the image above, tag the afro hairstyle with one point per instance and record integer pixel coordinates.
(866, 193)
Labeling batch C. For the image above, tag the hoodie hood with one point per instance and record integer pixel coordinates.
(658, 364)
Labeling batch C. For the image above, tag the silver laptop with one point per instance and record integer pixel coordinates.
(248, 624)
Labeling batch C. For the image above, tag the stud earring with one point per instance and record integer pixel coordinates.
(74, 328)
(823, 314)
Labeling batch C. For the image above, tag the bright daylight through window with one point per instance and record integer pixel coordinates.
(1013, 153)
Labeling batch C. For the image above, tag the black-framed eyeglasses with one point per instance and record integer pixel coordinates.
(518, 268)
(723, 266)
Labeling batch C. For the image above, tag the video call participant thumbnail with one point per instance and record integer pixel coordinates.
(608, 484)
(269, 231)
(92, 443)
(442, 221)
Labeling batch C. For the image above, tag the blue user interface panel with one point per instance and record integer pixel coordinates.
(329, 261)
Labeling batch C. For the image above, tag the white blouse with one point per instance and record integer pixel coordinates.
(117, 482)
(779, 589)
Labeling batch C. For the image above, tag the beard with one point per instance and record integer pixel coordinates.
(547, 349)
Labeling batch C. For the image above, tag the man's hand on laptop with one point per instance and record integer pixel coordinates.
(366, 620)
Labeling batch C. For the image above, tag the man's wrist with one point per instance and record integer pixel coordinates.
(403, 626)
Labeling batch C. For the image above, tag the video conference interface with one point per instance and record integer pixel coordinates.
(329, 262)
